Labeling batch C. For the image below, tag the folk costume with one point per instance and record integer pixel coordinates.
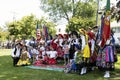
(106, 57)
(24, 58)
(72, 41)
(93, 54)
(16, 53)
(85, 50)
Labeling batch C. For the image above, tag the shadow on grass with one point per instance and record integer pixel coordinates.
(8, 72)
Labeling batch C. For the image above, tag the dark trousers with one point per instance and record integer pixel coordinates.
(15, 60)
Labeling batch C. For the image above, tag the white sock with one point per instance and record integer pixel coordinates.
(82, 71)
(107, 74)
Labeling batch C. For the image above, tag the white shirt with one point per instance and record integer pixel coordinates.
(108, 42)
(53, 54)
(76, 41)
(75, 55)
(60, 42)
(45, 52)
(83, 41)
(42, 41)
(34, 51)
(17, 52)
(27, 43)
(48, 41)
(92, 45)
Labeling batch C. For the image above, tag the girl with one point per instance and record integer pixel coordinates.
(52, 56)
(66, 52)
(35, 53)
(24, 58)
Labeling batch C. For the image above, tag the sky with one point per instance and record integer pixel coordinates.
(16, 9)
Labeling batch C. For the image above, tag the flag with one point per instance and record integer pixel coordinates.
(45, 32)
(38, 35)
(106, 25)
(100, 29)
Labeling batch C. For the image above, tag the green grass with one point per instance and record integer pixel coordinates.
(8, 72)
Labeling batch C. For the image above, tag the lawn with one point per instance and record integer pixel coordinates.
(8, 72)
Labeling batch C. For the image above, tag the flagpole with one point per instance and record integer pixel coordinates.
(97, 12)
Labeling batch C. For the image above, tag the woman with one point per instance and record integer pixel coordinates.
(85, 50)
(106, 59)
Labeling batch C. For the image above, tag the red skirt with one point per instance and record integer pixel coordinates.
(52, 61)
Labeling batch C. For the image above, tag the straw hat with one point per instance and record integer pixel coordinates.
(82, 31)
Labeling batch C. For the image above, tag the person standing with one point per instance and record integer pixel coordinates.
(16, 52)
(85, 50)
(66, 52)
(106, 58)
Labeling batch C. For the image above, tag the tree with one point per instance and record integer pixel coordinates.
(57, 9)
(69, 9)
(116, 11)
(22, 28)
(76, 23)
(84, 17)
(26, 27)
(49, 24)
(3, 34)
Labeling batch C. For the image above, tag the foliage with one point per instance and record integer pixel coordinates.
(22, 28)
(49, 24)
(57, 9)
(77, 22)
(85, 10)
(116, 11)
(26, 27)
(3, 34)
(71, 10)
(51, 28)
(84, 17)
(8, 72)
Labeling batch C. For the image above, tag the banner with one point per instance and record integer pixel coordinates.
(38, 35)
(106, 25)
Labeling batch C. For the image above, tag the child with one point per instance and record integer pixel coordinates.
(72, 65)
(24, 58)
(52, 56)
(35, 53)
(66, 52)
(60, 54)
(69, 67)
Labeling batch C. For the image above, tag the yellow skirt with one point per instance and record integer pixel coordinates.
(86, 52)
(23, 62)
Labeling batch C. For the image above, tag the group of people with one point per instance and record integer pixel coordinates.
(80, 51)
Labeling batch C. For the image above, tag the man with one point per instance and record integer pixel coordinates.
(16, 53)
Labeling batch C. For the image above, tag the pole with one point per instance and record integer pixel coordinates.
(97, 12)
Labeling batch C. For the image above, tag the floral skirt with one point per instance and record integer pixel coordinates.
(105, 59)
